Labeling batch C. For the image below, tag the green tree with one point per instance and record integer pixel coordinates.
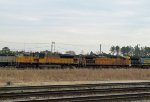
(6, 51)
(136, 51)
(113, 50)
(146, 51)
(117, 50)
(123, 50)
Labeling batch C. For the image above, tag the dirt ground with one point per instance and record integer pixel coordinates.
(11, 76)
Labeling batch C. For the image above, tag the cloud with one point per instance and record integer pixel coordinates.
(17, 17)
(85, 22)
(129, 2)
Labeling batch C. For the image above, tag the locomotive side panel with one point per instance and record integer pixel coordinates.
(27, 61)
(7, 60)
(113, 61)
(145, 61)
(104, 61)
(61, 60)
(56, 60)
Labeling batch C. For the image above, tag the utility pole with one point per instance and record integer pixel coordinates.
(100, 48)
(53, 47)
(24, 46)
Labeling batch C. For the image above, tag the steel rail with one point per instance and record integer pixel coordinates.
(73, 86)
(101, 98)
(73, 92)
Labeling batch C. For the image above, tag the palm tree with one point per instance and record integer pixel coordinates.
(113, 50)
(117, 50)
(123, 50)
(137, 51)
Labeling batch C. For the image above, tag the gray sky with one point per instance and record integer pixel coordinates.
(74, 24)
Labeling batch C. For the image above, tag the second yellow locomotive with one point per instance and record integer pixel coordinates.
(68, 60)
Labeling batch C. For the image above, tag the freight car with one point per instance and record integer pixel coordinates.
(7, 60)
(140, 62)
(135, 62)
(145, 62)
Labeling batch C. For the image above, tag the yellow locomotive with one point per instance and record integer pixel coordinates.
(68, 60)
(107, 61)
(27, 61)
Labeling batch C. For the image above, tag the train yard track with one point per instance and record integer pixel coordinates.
(103, 98)
(77, 93)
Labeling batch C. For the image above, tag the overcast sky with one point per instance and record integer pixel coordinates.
(74, 24)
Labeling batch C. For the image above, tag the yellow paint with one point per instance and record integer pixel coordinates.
(146, 61)
(26, 59)
(112, 61)
(56, 60)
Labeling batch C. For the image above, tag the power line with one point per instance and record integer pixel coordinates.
(69, 44)
(50, 45)
(21, 42)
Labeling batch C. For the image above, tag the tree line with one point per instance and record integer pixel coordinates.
(135, 51)
(7, 52)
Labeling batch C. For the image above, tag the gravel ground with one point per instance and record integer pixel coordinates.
(70, 82)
